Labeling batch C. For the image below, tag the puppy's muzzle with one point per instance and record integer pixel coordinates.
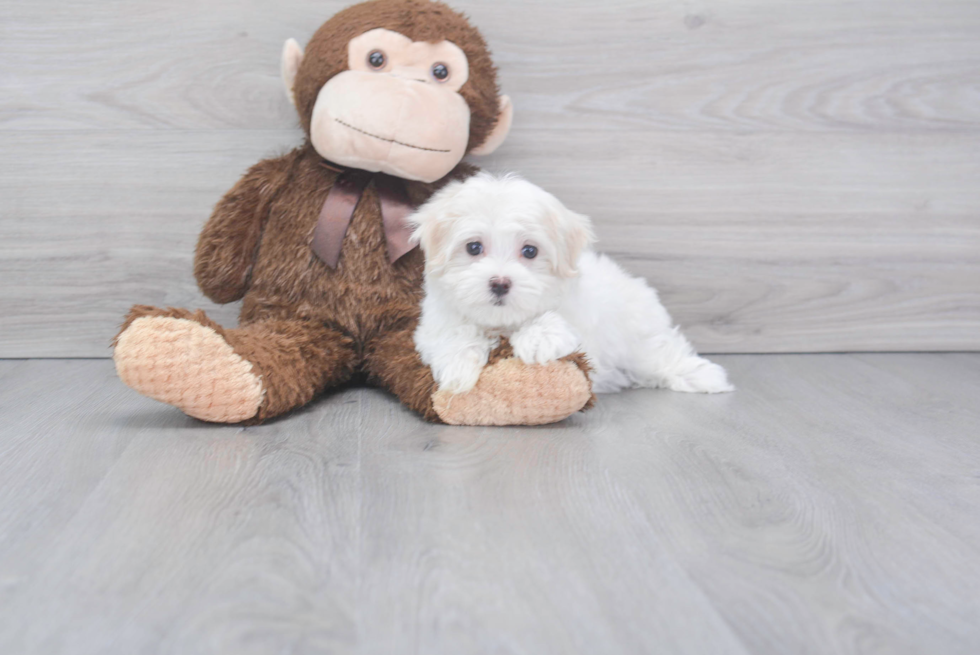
(499, 286)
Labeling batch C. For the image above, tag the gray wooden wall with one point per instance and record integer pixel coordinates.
(793, 176)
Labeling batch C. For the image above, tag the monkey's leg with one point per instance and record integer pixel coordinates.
(509, 391)
(252, 373)
(392, 363)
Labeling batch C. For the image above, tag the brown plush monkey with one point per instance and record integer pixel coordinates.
(391, 95)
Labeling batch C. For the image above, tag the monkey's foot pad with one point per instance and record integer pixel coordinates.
(190, 366)
(510, 392)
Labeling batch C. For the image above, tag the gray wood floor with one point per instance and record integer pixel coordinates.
(830, 505)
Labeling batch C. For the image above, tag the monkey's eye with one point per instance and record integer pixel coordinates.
(530, 252)
(474, 248)
(440, 72)
(377, 59)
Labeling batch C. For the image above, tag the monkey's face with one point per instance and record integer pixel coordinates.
(396, 109)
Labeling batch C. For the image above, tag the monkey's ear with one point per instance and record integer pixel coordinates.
(500, 130)
(292, 55)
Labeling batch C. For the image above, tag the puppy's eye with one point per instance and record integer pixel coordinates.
(440, 72)
(530, 252)
(474, 248)
(377, 59)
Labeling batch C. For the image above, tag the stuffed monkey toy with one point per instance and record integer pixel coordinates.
(391, 95)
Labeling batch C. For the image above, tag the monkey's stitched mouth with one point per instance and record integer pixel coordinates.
(381, 138)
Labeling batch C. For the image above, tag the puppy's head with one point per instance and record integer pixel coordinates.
(499, 248)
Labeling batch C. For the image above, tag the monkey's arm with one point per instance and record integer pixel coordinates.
(229, 242)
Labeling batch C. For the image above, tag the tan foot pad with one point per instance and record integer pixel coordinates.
(511, 392)
(190, 366)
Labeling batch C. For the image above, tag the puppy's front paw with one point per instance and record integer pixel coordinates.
(460, 374)
(547, 338)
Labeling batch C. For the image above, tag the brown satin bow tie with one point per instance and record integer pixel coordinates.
(338, 209)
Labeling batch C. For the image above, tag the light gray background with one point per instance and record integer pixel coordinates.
(793, 176)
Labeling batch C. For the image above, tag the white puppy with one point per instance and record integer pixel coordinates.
(505, 258)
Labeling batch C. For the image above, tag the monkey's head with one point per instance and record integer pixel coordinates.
(404, 87)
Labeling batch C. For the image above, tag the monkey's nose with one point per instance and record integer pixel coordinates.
(499, 286)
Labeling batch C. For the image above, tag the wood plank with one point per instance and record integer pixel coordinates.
(815, 491)
(810, 283)
(487, 540)
(793, 177)
(134, 528)
(828, 505)
(759, 243)
(99, 221)
(832, 65)
(759, 65)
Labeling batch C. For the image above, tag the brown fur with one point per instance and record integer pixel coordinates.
(303, 325)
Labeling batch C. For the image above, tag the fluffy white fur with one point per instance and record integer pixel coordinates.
(565, 298)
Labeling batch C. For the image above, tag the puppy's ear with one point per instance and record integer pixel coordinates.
(432, 225)
(571, 234)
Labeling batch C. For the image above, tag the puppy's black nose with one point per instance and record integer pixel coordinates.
(499, 286)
